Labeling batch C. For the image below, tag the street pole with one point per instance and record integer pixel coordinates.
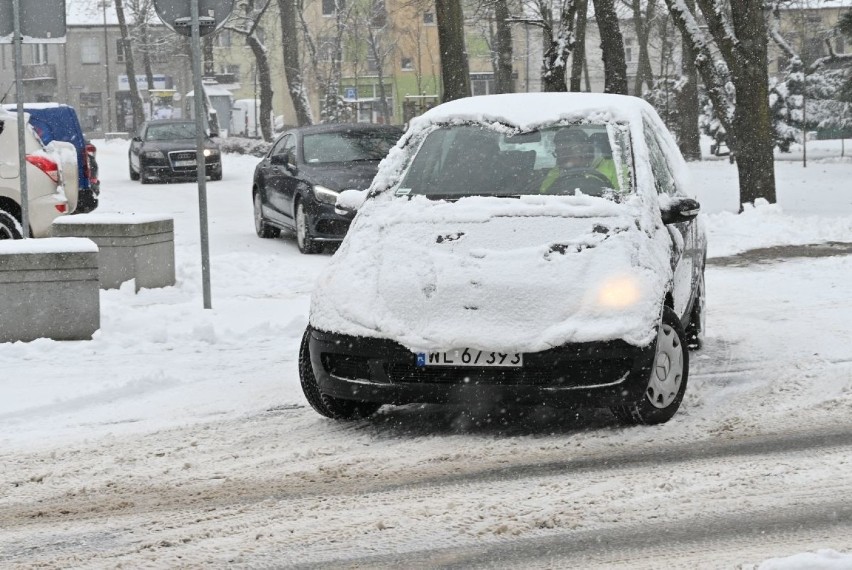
(106, 70)
(19, 99)
(200, 130)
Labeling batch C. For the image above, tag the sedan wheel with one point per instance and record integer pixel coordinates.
(303, 238)
(260, 226)
(133, 174)
(668, 376)
(9, 226)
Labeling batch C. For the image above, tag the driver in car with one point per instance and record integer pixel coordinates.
(577, 166)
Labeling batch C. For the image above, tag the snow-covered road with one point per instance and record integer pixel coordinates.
(179, 436)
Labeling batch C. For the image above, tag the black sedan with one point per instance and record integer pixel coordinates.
(298, 181)
(165, 150)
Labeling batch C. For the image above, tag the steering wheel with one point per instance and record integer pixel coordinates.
(587, 180)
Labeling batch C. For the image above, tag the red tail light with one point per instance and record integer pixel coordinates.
(61, 208)
(46, 165)
(91, 149)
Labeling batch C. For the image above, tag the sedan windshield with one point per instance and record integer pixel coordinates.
(170, 131)
(348, 146)
(472, 160)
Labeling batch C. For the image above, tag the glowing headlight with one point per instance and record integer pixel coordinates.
(154, 154)
(619, 292)
(325, 195)
(210, 152)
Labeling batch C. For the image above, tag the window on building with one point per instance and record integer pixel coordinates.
(90, 111)
(231, 70)
(325, 48)
(90, 50)
(329, 7)
(372, 64)
(407, 64)
(428, 18)
(39, 53)
(223, 38)
(481, 83)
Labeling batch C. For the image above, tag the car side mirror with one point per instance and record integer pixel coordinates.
(679, 210)
(349, 201)
(137, 138)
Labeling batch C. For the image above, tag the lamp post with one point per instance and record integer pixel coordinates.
(108, 122)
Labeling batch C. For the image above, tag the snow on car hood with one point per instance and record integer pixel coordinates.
(503, 274)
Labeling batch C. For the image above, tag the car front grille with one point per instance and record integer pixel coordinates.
(179, 155)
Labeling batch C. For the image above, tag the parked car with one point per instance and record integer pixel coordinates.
(57, 122)
(297, 182)
(165, 150)
(467, 278)
(45, 190)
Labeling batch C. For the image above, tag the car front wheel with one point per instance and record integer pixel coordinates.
(666, 384)
(324, 404)
(133, 174)
(303, 238)
(9, 226)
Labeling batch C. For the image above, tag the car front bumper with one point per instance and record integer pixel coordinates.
(575, 375)
(163, 171)
(325, 224)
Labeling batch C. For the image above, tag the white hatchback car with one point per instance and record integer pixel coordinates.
(527, 249)
(45, 180)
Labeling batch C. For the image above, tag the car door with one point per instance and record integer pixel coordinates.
(684, 234)
(291, 178)
(274, 175)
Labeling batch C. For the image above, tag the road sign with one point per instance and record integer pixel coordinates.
(351, 93)
(42, 21)
(176, 15)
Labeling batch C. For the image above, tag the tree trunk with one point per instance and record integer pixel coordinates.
(135, 98)
(503, 82)
(579, 53)
(455, 75)
(689, 139)
(754, 149)
(264, 81)
(558, 49)
(642, 23)
(146, 57)
(292, 70)
(612, 45)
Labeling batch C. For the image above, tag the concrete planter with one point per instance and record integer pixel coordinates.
(49, 289)
(131, 247)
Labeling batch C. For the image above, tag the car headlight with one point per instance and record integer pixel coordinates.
(619, 292)
(211, 152)
(325, 195)
(156, 154)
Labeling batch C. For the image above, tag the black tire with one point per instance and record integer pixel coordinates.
(263, 229)
(662, 396)
(133, 174)
(694, 333)
(304, 241)
(216, 176)
(144, 179)
(334, 408)
(10, 227)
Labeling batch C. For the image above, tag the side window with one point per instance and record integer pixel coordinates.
(279, 146)
(663, 179)
(290, 146)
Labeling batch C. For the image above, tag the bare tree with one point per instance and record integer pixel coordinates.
(246, 24)
(292, 68)
(689, 137)
(135, 98)
(642, 22)
(735, 53)
(455, 71)
(325, 53)
(558, 37)
(578, 60)
(612, 46)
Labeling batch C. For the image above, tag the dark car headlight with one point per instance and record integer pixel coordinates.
(325, 195)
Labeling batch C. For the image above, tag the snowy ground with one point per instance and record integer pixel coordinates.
(179, 436)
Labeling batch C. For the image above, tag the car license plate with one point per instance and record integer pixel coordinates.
(471, 357)
(179, 163)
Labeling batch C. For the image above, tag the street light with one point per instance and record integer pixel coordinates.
(104, 4)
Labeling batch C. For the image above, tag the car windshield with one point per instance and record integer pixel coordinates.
(348, 146)
(473, 160)
(170, 131)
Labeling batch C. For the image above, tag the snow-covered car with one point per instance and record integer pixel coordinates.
(526, 248)
(46, 192)
(165, 150)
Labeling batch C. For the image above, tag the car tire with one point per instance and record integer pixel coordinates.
(694, 333)
(334, 408)
(143, 178)
(263, 229)
(133, 174)
(216, 176)
(10, 227)
(303, 238)
(667, 379)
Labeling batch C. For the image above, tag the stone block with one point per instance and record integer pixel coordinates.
(130, 247)
(49, 289)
